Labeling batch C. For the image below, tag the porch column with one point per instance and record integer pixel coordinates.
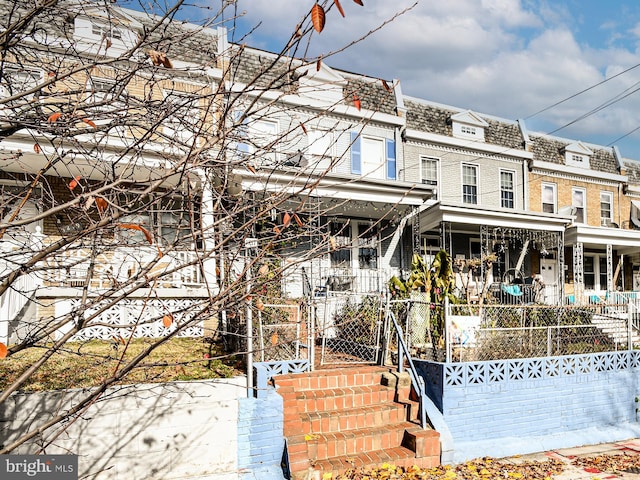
(445, 237)
(208, 234)
(578, 271)
(560, 263)
(609, 268)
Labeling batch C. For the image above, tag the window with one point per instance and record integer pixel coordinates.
(373, 157)
(468, 125)
(257, 137)
(577, 155)
(606, 207)
(367, 246)
(18, 203)
(470, 184)
(15, 80)
(429, 172)
(578, 199)
(507, 197)
(183, 116)
(467, 130)
(549, 198)
(589, 271)
(105, 31)
(321, 143)
(105, 95)
(341, 246)
(169, 220)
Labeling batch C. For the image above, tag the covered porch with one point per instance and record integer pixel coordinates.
(492, 249)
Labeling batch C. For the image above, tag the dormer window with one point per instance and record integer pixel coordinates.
(105, 31)
(577, 155)
(468, 125)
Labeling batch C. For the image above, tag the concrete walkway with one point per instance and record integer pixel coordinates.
(574, 472)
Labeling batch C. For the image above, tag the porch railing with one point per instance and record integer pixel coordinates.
(70, 268)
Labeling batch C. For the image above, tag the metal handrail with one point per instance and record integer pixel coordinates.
(416, 380)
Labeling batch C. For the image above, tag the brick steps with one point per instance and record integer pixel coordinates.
(352, 417)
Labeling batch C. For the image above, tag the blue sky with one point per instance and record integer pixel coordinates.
(506, 58)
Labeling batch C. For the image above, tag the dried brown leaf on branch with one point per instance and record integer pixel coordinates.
(338, 6)
(317, 17)
(159, 59)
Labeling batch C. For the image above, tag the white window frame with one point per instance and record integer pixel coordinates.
(576, 208)
(373, 159)
(477, 184)
(576, 160)
(94, 91)
(32, 77)
(463, 130)
(512, 191)
(321, 149)
(261, 133)
(608, 197)
(554, 192)
(178, 123)
(435, 183)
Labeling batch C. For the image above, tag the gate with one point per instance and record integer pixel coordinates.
(349, 328)
(282, 333)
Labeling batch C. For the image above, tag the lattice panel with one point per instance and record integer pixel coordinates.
(493, 372)
(139, 318)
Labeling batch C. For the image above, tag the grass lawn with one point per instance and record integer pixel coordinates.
(86, 364)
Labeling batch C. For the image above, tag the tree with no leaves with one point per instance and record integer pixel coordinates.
(158, 180)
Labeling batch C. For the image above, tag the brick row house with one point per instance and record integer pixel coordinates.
(352, 174)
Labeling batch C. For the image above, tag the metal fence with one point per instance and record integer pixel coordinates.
(461, 333)
(349, 328)
(497, 332)
(281, 333)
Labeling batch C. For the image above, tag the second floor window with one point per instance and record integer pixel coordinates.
(429, 171)
(606, 207)
(15, 80)
(183, 116)
(507, 196)
(470, 184)
(549, 198)
(373, 157)
(578, 200)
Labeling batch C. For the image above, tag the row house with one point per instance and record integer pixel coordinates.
(336, 178)
(99, 108)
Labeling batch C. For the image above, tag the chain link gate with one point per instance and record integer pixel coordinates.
(281, 333)
(349, 328)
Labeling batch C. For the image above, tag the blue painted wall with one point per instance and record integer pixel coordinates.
(507, 407)
(260, 437)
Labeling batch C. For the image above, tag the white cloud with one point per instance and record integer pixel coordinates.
(508, 58)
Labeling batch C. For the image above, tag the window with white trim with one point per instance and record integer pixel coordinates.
(367, 246)
(578, 202)
(549, 198)
(340, 254)
(105, 95)
(373, 157)
(606, 207)
(429, 167)
(183, 116)
(15, 80)
(507, 189)
(470, 184)
(169, 221)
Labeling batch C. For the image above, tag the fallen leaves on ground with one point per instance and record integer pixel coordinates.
(609, 463)
(479, 469)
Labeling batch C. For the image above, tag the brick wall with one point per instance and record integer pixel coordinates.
(260, 426)
(519, 406)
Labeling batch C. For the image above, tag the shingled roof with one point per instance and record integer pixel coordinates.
(434, 118)
(551, 149)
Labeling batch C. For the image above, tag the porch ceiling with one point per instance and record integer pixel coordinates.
(625, 241)
(468, 216)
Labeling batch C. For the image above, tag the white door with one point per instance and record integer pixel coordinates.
(548, 270)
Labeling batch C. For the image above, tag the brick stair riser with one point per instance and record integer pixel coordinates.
(327, 422)
(338, 399)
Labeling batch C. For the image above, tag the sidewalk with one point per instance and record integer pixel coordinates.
(590, 462)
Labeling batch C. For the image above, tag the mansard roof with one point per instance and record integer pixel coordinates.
(552, 149)
(435, 118)
(179, 40)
